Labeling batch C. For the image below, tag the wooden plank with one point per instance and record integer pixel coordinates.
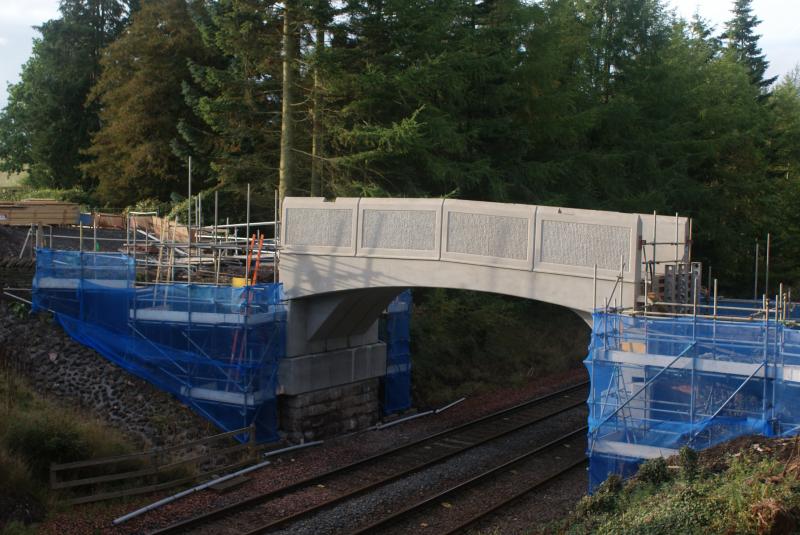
(153, 488)
(156, 451)
(104, 479)
(131, 492)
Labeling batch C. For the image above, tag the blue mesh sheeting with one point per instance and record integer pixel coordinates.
(216, 348)
(397, 382)
(661, 383)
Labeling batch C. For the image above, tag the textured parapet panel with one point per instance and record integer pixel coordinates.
(487, 235)
(585, 244)
(321, 227)
(399, 229)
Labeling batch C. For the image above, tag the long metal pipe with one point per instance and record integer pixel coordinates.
(247, 235)
(766, 267)
(755, 276)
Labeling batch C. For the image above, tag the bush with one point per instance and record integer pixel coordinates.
(654, 471)
(42, 438)
(604, 499)
(689, 463)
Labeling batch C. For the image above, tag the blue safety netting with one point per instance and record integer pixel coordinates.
(660, 383)
(216, 348)
(397, 335)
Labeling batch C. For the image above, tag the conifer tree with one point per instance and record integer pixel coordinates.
(133, 153)
(742, 42)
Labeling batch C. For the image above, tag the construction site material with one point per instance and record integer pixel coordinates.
(39, 212)
(187, 492)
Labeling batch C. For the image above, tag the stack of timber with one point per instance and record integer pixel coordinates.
(39, 212)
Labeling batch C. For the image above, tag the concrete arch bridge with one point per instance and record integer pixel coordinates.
(343, 261)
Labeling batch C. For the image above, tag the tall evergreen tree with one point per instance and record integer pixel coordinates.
(742, 42)
(237, 93)
(134, 152)
(47, 121)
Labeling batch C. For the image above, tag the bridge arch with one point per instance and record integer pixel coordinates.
(342, 261)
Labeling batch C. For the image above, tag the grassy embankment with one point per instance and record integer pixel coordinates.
(33, 433)
(751, 485)
(464, 342)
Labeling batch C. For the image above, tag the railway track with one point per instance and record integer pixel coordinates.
(393, 521)
(371, 473)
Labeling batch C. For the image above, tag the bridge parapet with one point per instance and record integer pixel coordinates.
(352, 243)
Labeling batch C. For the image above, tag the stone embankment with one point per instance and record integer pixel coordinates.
(61, 368)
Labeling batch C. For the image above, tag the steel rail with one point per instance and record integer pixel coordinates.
(209, 516)
(513, 498)
(393, 517)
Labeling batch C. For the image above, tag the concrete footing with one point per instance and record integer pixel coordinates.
(330, 411)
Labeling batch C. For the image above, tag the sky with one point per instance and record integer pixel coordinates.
(779, 29)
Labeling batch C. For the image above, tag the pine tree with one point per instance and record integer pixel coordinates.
(133, 154)
(237, 93)
(742, 43)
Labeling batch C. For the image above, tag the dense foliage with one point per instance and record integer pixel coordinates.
(747, 486)
(608, 104)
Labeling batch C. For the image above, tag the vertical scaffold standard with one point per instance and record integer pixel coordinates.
(397, 381)
(216, 348)
(660, 383)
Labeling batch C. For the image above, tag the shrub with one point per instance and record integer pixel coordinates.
(43, 438)
(654, 471)
(604, 499)
(688, 461)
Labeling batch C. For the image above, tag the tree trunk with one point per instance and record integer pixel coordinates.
(286, 174)
(317, 135)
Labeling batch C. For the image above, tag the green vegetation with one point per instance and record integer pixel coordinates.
(605, 104)
(35, 432)
(753, 490)
(29, 192)
(464, 342)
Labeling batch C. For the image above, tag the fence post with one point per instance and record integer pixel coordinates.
(53, 479)
(252, 442)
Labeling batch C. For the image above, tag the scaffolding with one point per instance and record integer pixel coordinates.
(216, 348)
(689, 374)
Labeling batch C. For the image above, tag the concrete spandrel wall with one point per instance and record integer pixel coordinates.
(464, 244)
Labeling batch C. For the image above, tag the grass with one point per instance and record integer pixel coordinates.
(35, 432)
(465, 342)
(752, 493)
